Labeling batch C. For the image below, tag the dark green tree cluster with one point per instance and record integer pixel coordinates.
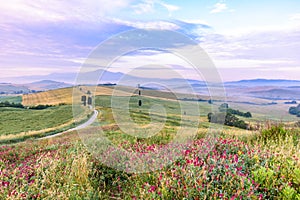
(40, 107)
(295, 110)
(227, 119)
(8, 104)
(19, 105)
(225, 108)
(239, 113)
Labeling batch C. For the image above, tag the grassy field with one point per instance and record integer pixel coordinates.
(262, 165)
(278, 112)
(61, 96)
(14, 120)
(11, 99)
(51, 97)
(19, 124)
(218, 162)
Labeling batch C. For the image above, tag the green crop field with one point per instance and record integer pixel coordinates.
(11, 99)
(18, 124)
(234, 164)
(215, 162)
(15, 120)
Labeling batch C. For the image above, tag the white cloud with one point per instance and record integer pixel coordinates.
(57, 10)
(295, 17)
(220, 7)
(267, 49)
(148, 6)
(161, 25)
(169, 7)
(155, 64)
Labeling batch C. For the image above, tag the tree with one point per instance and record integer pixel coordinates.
(293, 110)
(248, 115)
(223, 107)
(218, 118)
(227, 119)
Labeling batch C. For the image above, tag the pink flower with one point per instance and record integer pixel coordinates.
(236, 158)
(152, 188)
(187, 152)
(160, 177)
(239, 168)
(5, 183)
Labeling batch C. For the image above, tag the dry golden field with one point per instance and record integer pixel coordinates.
(51, 97)
(59, 96)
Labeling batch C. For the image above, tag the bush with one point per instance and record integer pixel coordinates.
(8, 104)
(40, 107)
(295, 110)
(225, 108)
(275, 132)
(227, 119)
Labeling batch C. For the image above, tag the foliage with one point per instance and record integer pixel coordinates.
(16, 120)
(275, 132)
(295, 110)
(15, 99)
(263, 167)
(225, 108)
(64, 169)
(40, 107)
(8, 104)
(19, 105)
(227, 119)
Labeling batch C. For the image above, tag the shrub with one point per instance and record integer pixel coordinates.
(227, 119)
(275, 132)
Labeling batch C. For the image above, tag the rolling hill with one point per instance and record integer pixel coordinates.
(11, 88)
(47, 85)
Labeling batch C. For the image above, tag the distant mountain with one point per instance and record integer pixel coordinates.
(113, 77)
(8, 88)
(262, 88)
(277, 94)
(47, 85)
(264, 82)
(69, 78)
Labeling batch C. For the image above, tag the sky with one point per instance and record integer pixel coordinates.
(244, 39)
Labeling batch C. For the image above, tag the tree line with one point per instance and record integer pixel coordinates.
(19, 105)
(225, 108)
(227, 116)
(295, 110)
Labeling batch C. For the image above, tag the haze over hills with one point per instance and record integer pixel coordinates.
(264, 82)
(109, 76)
(47, 85)
(11, 88)
(272, 89)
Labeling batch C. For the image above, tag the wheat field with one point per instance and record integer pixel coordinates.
(62, 96)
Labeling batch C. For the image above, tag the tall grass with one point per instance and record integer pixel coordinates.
(260, 168)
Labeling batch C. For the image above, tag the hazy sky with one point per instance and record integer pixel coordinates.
(245, 39)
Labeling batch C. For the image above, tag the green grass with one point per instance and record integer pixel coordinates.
(275, 112)
(264, 165)
(63, 168)
(11, 99)
(171, 106)
(14, 120)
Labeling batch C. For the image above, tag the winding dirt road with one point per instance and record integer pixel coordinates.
(81, 126)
